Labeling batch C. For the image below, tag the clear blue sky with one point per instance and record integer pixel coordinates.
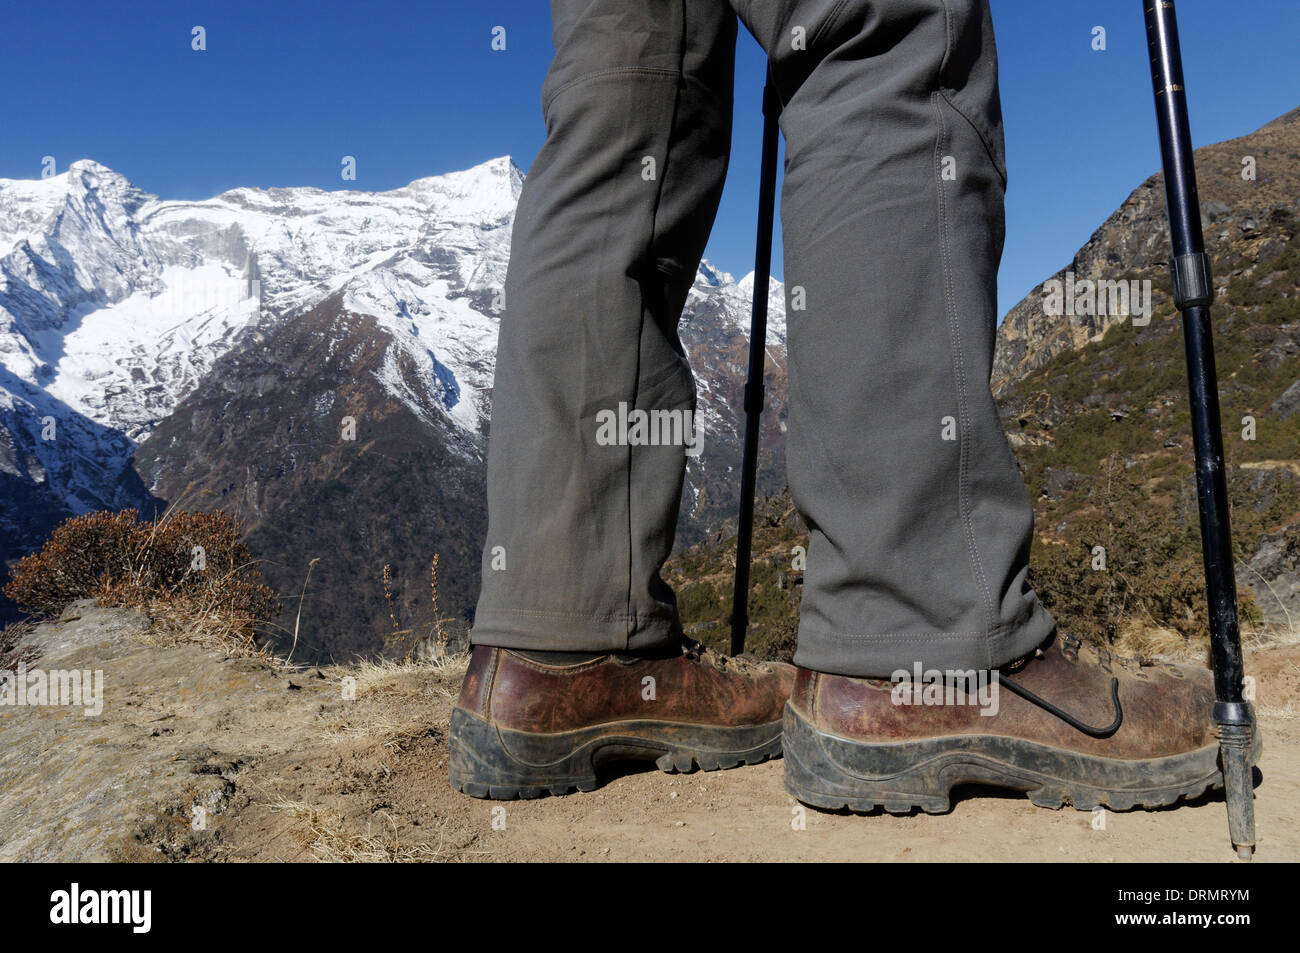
(285, 89)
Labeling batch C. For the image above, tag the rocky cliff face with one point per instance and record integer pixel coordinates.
(1244, 219)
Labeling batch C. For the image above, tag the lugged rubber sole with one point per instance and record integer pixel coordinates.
(487, 761)
(831, 772)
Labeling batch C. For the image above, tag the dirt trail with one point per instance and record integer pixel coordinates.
(284, 767)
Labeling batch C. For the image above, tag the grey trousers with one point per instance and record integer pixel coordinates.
(892, 212)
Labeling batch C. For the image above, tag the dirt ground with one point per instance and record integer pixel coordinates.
(201, 757)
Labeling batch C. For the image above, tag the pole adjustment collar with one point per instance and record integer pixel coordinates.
(1193, 285)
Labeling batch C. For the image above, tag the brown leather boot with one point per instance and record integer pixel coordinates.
(1070, 724)
(522, 727)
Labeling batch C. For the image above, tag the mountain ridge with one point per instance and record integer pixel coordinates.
(1133, 242)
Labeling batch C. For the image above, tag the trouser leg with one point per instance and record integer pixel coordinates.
(608, 235)
(892, 213)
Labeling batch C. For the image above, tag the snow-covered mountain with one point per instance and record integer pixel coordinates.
(114, 303)
(119, 310)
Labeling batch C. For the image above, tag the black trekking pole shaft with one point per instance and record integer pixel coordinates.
(757, 354)
(1193, 291)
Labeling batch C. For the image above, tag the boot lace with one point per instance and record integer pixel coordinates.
(1070, 646)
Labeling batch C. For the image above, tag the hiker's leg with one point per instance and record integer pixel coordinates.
(893, 225)
(893, 228)
(608, 235)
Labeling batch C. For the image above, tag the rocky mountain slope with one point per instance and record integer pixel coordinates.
(1245, 220)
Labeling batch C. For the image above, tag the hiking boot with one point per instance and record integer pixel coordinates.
(523, 727)
(1069, 724)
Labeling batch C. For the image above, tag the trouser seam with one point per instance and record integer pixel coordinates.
(999, 167)
(652, 71)
(947, 40)
(988, 146)
(571, 616)
(959, 373)
(827, 24)
(1021, 620)
(650, 247)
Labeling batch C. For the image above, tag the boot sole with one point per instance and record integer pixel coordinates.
(832, 772)
(487, 761)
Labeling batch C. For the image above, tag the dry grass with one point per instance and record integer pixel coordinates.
(412, 684)
(323, 834)
(1273, 711)
(1269, 635)
(207, 626)
(394, 734)
(1141, 635)
(430, 640)
(1291, 624)
(413, 677)
(13, 633)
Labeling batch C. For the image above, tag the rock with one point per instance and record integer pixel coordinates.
(1273, 575)
(1243, 225)
(1269, 248)
(1284, 347)
(85, 623)
(1216, 211)
(1289, 402)
(76, 610)
(1058, 482)
(1267, 479)
(1030, 438)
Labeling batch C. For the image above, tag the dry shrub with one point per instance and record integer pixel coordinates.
(1153, 577)
(77, 556)
(183, 563)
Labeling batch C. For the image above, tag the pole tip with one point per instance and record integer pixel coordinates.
(1245, 851)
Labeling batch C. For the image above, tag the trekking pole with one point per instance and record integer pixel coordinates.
(1193, 292)
(757, 354)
